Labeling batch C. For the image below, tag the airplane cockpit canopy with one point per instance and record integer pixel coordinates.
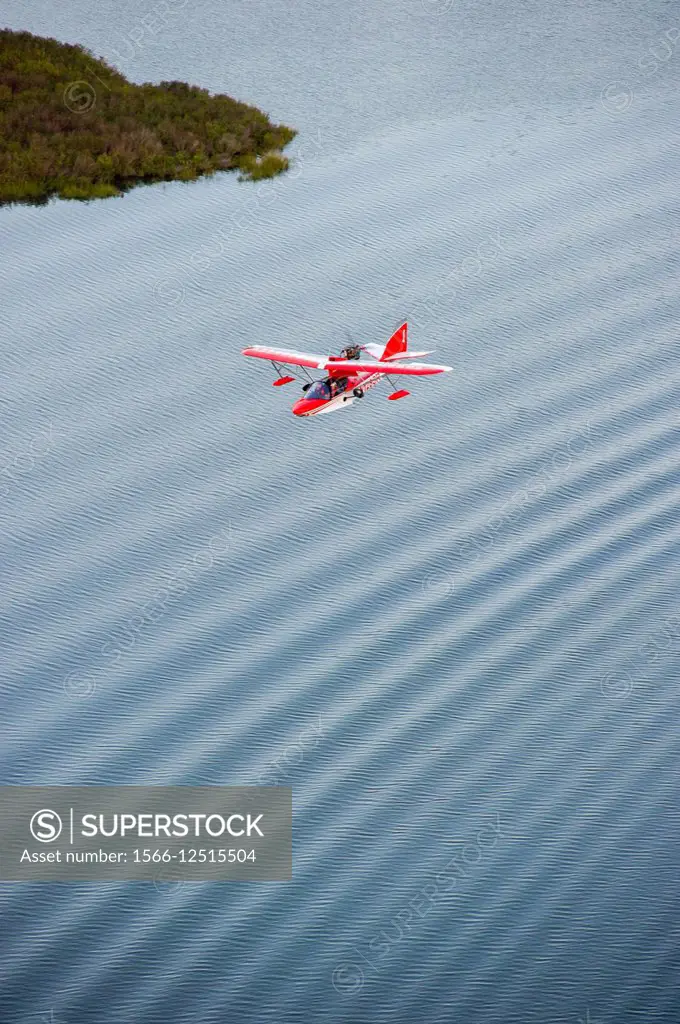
(319, 391)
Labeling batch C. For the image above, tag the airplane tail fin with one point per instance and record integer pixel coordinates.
(397, 344)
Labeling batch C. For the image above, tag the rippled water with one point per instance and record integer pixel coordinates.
(450, 624)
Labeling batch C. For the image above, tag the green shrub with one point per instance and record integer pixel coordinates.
(88, 190)
(253, 168)
(71, 125)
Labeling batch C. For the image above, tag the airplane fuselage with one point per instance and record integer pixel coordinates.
(330, 394)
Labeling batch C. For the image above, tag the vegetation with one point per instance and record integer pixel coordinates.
(72, 126)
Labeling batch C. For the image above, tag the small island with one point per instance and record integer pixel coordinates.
(72, 126)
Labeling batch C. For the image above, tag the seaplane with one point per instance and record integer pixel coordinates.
(350, 375)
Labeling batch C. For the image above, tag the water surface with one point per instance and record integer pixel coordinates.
(449, 623)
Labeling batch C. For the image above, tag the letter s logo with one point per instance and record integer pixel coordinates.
(46, 826)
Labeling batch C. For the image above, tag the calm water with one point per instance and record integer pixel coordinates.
(451, 624)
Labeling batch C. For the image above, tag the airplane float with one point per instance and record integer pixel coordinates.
(349, 375)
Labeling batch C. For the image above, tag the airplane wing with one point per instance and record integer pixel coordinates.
(349, 366)
(341, 367)
(284, 355)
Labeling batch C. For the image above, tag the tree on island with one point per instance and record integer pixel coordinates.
(73, 126)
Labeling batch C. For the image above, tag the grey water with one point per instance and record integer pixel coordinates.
(450, 623)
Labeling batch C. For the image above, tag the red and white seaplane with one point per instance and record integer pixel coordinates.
(349, 375)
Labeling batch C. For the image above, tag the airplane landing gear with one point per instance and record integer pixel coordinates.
(358, 392)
